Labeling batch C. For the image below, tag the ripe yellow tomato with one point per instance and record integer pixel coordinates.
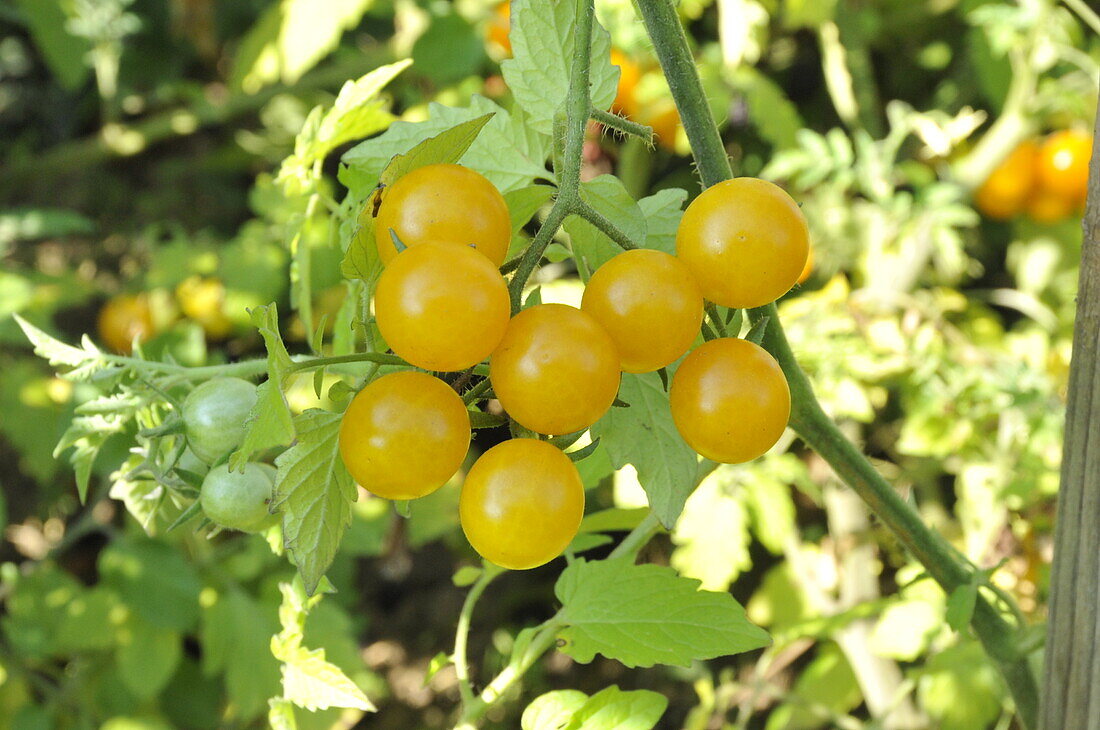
(1005, 192)
(1062, 164)
(730, 400)
(443, 204)
(521, 504)
(441, 306)
(500, 25)
(556, 371)
(1045, 206)
(202, 300)
(649, 304)
(629, 74)
(123, 319)
(745, 241)
(404, 435)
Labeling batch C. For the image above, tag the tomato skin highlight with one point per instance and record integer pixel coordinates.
(1005, 192)
(123, 319)
(556, 371)
(442, 307)
(521, 504)
(214, 416)
(745, 241)
(730, 400)
(238, 500)
(1062, 165)
(443, 203)
(404, 435)
(650, 305)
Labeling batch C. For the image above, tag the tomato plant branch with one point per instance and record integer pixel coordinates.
(623, 125)
(808, 419)
(462, 632)
(716, 320)
(609, 229)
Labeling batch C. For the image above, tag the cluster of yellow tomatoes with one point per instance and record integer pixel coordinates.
(128, 317)
(442, 305)
(1045, 179)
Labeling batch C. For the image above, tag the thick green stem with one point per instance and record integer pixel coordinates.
(609, 229)
(534, 253)
(670, 43)
(996, 635)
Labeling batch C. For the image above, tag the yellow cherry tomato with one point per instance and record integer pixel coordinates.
(1062, 164)
(202, 300)
(123, 319)
(629, 74)
(442, 306)
(521, 504)
(745, 241)
(1005, 192)
(556, 371)
(1048, 207)
(404, 435)
(730, 400)
(500, 25)
(443, 204)
(649, 304)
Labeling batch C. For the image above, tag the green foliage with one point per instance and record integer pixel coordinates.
(645, 614)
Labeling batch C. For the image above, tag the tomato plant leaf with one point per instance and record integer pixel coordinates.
(236, 638)
(147, 656)
(614, 709)
(503, 154)
(154, 579)
(662, 212)
(553, 710)
(523, 203)
(361, 260)
(643, 615)
(269, 424)
(314, 491)
(446, 147)
(542, 51)
(309, 680)
(644, 436)
(591, 247)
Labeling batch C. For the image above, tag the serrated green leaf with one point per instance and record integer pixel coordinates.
(643, 615)
(644, 436)
(447, 147)
(712, 536)
(585, 541)
(663, 211)
(85, 362)
(538, 73)
(313, 683)
(614, 709)
(147, 656)
(314, 492)
(591, 247)
(553, 710)
(502, 154)
(269, 424)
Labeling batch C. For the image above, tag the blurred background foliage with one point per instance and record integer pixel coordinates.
(147, 188)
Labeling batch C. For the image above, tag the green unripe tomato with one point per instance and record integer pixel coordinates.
(214, 414)
(238, 500)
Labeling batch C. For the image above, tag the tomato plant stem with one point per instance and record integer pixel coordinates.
(462, 631)
(622, 124)
(998, 637)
